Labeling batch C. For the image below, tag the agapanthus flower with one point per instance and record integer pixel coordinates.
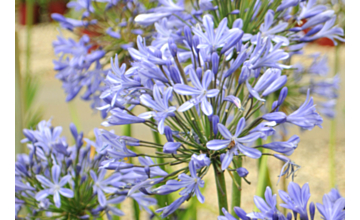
(172, 207)
(55, 187)
(327, 108)
(201, 92)
(267, 207)
(235, 142)
(327, 30)
(200, 160)
(305, 116)
(211, 40)
(109, 208)
(166, 8)
(69, 23)
(329, 210)
(289, 168)
(160, 104)
(310, 9)
(285, 147)
(296, 199)
(266, 29)
(190, 184)
(103, 185)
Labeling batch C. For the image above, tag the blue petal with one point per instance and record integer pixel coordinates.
(224, 131)
(217, 144)
(66, 192)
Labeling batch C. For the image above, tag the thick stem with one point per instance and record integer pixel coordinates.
(236, 187)
(220, 188)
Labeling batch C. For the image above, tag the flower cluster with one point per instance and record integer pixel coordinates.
(64, 181)
(214, 80)
(105, 28)
(203, 84)
(296, 201)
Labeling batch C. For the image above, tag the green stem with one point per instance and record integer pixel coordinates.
(236, 187)
(163, 200)
(18, 100)
(332, 140)
(220, 188)
(263, 177)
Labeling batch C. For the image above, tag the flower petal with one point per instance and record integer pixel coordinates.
(217, 144)
(66, 192)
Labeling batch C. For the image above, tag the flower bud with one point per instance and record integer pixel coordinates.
(312, 210)
(199, 72)
(175, 75)
(289, 216)
(168, 134)
(275, 216)
(188, 35)
(282, 96)
(242, 171)
(147, 171)
(215, 121)
(215, 62)
(196, 42)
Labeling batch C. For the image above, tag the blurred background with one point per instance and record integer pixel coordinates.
(39, 96)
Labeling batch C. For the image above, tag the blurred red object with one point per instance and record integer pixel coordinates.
(22, 13)
(324, 42)
(57, 7)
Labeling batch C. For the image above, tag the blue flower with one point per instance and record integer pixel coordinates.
(296, 199)
(211, 40)
(319, 66)
(242, 171)
(160, 105)
(327, 108)
(80, 5)
(269, 82)
(287, 3)
(200, 91)
(54, 188)
(327, 88)
(285, 147)
(109, 209)
(289, 168)
(69, 23)
(267, 209)
(305, 116)
(334, 210)
(327, 30)
(200, 161)
(121, 117)
(236, 143)
(310, 9)
(238, 211)
(271, 32)
(190, 184)
(166, 8)
(172, 207)
(101, 185)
